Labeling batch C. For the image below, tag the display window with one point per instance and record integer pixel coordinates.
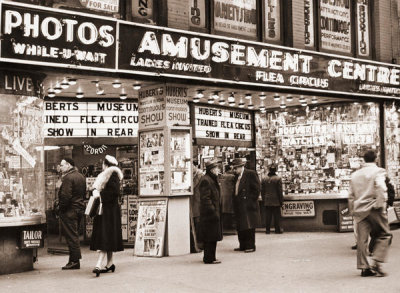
(88, 160)
(392, 143)
(22, 199)
(317, 148)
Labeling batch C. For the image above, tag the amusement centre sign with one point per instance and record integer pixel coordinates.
(62, 38)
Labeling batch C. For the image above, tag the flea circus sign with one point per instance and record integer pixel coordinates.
(220, 123)
(201, 56)
(90, 119)
(73, 40)
(304, 208)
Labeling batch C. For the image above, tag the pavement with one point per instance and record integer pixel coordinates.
(288, 262)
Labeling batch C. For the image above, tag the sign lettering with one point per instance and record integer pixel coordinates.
(298, 209)
(90, 119)
(272, 20)
(363, 44)
(309, 23)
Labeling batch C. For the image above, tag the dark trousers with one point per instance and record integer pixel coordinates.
(275, 212)
(247, 239)
(70, 221)
(209, 251)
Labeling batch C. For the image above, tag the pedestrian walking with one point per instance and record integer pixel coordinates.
(210, 211)
(107, 232)
(367, 202)
(272, 195)
(247, 190)
(71, 207)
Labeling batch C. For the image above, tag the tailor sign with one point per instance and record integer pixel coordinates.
(37, 36)
(199, 56)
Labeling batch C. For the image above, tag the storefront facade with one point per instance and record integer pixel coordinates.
(162, 97)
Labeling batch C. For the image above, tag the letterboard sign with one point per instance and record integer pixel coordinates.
(90, 119)
(303, 208)
(346, 223)
(220, 123)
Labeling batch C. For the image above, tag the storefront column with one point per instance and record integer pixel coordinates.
(165, 164)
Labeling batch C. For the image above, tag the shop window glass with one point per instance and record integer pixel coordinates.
(392, 143)
(22, 161)
(316, 149)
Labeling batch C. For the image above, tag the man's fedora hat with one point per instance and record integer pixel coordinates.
(212, 164)
(238, 162)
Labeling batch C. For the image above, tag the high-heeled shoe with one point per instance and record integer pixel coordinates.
(97, 271)
(111, 268)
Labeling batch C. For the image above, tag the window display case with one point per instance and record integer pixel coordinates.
(22, 200)
(159, 160)
(317, 148)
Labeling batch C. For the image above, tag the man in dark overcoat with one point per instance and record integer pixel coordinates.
(71, 195)
(247, 190)
(210, 211)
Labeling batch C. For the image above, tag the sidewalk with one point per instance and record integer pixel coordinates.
(290, 262)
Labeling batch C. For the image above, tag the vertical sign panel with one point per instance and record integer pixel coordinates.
(363, 43)
(238, 17)
(197, 13)
(142, 11)
(178, 14)
(272, 20)
(335, 26)
(309, 23)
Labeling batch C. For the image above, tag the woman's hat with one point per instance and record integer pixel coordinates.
(112, 160)
(212, 164)
(238, 162)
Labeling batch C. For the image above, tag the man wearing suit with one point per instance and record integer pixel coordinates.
(367, 202)
(247, 190)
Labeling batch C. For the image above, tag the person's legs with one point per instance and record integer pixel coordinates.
(382, 235)
(100, 259)
(252, 239)
(277, 219)
(241, 238)
(110, 261)
(355, 234)
(209, 251)
(268, 216)
(69, 222)
(363, 230)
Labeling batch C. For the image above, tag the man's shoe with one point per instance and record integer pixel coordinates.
(213, 262)
(367, 273)
(354, 247)
(378, 270)
(72, 266)
(278, 232)
(249, 250)
(238, 249)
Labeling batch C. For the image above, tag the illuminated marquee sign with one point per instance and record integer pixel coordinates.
(70, 40)
(220, 123)
(90, 119)
(185, 55)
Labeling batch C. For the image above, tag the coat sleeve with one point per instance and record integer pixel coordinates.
(207, 208)
(280, 191)
(65, 194)
(254, 185)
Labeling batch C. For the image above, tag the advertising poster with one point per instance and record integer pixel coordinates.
(133, 210)
(151, 163)
(151, 228)
(181, 175)
(237, 17)
(152, 106)
(335, 25)
(142, 11)
(197, 13)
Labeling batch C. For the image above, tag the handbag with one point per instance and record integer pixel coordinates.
(93, 207)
